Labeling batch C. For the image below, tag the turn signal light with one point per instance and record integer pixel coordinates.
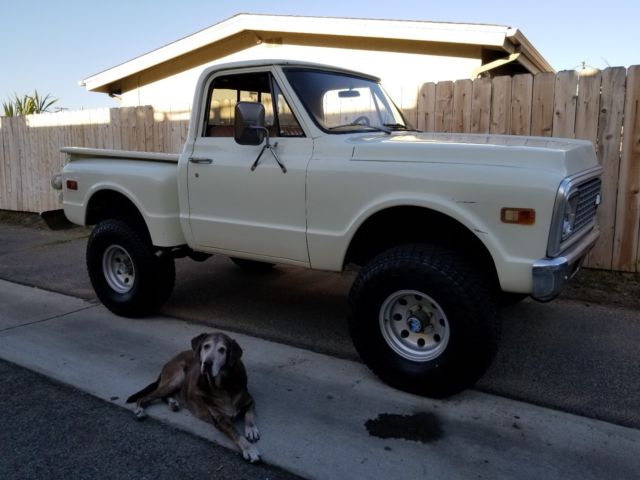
(518, 216)
(72, 185)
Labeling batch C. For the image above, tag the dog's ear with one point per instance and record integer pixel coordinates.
(197, 341)
(234, 354)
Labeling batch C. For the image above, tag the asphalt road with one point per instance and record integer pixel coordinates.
(53, 431)
(570, 356)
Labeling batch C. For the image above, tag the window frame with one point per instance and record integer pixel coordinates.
(274, 86)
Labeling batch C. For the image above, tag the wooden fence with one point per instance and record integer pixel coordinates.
(603, 108)
(30, 146)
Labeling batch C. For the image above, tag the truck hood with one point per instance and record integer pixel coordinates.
(565, 156)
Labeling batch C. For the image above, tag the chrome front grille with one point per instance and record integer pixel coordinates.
(588, 201)
(575, 210)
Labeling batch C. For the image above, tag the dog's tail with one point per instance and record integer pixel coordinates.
(145, 391)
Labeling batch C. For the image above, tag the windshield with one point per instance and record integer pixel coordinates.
(341, 103)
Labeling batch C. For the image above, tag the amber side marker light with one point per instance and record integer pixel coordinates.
(72, 185)
(518, 216)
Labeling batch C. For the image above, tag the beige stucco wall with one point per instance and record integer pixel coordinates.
(402, 73)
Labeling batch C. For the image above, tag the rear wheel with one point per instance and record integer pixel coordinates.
(423, 321)
(127, 275)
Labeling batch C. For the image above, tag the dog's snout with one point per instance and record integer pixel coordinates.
(205, 366)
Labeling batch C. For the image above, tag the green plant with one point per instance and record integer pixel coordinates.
(28, 104)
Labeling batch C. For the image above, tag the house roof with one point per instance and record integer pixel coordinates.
(510, 40)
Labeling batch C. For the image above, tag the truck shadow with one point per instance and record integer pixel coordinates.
(292, 305)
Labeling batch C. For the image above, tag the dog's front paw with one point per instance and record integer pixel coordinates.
(173, 404)
(251, 454)
(251, 433)
(140, 413)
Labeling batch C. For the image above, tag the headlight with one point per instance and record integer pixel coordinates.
(569, 220)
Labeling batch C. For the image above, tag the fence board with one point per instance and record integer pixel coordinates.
(564, 104)
(444, 107)
(521, 97)
(116, 127)
(15, 153)
(184, 132)
(5, 168)
(462, 97)
(610, 118)
(4, 174)
(481, 106)
(542, 105)
(128, 123)
(158, 132)
(149, 143)
(33, 155)
(625, 251)
(427, 107)
(140, 131)
(501, 105)
(179, 128)
(587, 106)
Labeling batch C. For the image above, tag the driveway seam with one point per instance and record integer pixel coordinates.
(43, 320)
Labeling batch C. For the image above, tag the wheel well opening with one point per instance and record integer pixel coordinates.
(405, 225)
(111, 204)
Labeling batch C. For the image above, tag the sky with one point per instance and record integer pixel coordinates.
(52, 45)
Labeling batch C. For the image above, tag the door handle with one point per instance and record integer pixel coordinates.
(201, 161)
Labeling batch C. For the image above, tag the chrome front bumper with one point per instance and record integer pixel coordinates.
(550, 274)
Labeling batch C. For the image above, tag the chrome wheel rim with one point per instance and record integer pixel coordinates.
(118, 269)
(414, 325)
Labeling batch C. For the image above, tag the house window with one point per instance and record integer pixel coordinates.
(228, 90)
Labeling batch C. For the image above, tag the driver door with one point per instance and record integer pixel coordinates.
(237, 211)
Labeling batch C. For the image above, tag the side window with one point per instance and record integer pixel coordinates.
(228, 90)
(288, 126)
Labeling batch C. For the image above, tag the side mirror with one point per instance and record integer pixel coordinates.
(248, 125)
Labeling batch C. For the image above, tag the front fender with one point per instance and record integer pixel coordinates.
(473, 196)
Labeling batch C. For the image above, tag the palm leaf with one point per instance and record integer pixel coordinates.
(28, 104)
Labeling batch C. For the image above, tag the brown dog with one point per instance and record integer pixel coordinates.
(211, 381)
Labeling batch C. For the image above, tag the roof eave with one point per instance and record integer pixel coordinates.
(531, 58)
(452, 33)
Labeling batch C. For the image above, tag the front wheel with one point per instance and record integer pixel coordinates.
(127, 276)
(423, 320)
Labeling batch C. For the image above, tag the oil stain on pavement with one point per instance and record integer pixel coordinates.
(420, 427)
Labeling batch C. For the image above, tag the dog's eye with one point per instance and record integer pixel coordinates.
(222, 350)
(206, 346)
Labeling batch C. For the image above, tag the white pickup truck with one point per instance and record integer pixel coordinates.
(309, 165)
